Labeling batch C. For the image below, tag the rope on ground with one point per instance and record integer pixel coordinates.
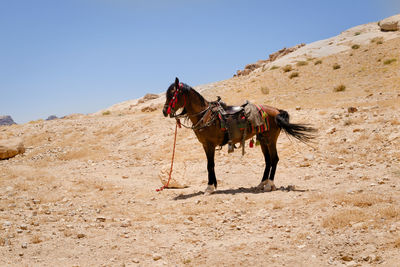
(172, 161)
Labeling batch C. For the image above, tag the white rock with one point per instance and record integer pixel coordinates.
(178, 176)
(390, 24)
(10, 148)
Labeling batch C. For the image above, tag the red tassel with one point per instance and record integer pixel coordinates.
(251, 144)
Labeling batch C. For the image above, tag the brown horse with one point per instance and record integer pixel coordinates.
(210, 134)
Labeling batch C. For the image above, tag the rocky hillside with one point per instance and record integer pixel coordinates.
(83, 193)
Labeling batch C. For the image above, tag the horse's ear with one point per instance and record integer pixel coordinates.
(176, 82)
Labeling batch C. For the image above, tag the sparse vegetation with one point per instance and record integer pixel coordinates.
(301, 63)
(274, 67)
(319, 61)
(355, 46)
(357, 33)
(339, 88)
(389, 61)
(264, 90)
(377, 40)
(294, 75)
(287, 68)
(336, 66)
(107, 112)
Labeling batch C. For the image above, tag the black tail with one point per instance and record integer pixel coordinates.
(301, 132)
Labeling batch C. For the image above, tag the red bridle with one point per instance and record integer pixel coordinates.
(174, 99)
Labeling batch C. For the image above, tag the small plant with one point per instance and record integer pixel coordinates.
(377, 40)
(357, 33)
(336, 66)
(389, 61)
(293, 75)
(274, 67)
(339, 88)
(287, 68)
(264, 90)
(301, 63)
(107, 112)
(319, 61)
(355, 46)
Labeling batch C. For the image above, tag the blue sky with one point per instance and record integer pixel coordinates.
(79, 56)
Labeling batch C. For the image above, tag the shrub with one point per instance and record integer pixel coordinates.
(302, 63)
(287, 68)
(357, 33)
(389, 61)
(319, 61)
(106, 113)
(274, 67)
(339, 88)
(264, 90)
(293, 75)
(336, 66)
(356, 46)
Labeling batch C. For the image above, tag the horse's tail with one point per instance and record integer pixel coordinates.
(302, 132)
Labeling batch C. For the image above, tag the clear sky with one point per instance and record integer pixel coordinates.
(79, 56)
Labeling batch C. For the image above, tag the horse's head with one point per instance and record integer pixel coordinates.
(175, 98)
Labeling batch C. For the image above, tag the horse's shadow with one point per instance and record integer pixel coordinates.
(240, 190)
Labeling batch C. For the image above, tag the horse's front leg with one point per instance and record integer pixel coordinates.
(212, 180)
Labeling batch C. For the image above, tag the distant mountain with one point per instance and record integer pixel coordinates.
(6, 120)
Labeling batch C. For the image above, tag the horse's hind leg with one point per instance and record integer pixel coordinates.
(264, 148)
(268, 147)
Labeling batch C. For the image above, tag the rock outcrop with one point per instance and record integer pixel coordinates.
(390, 24)
(6, 120)
(51, 117)
(10, 148)
(272, 57)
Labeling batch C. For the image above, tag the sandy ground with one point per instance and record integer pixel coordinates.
(83, 194)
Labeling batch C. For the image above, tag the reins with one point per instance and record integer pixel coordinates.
(172, 161)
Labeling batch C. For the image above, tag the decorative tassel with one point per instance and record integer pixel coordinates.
(251, 144)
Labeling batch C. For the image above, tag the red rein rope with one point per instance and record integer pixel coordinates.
(172, 161)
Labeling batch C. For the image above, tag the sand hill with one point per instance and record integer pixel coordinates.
(83, 193)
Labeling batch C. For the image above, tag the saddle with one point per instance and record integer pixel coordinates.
(235, 122)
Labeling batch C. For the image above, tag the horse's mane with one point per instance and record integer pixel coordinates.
(190, 89)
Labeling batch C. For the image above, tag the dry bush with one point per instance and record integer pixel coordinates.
(336, 66)
(339, 88)
(274, 67)
(389, 212)
(287, 68)
(107, 112)
(294, 75)
(377, 40)
(319, 61)
(355, 46)
(389, 61)
(343, 218)
(358, 200)
(396, 243)
(264, 90)
(277, 205)
(36, 239)
(301, 63)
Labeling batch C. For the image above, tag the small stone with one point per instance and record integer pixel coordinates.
(156, 257)
(24, 245)
(100, 219)
(36, 201)
(331, 130)
(135, 260)
(352, 109)
(20, 254)
(298, 108)
(125, 177)
(347, 258)
(80, 235)
(23, 227)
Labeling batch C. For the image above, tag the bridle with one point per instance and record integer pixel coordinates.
(200, 124)
(174, 100)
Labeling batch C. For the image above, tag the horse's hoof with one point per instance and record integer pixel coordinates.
(209, 190)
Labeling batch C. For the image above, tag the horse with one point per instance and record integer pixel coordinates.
(210, 134)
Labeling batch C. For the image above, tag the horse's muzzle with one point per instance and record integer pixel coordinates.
(165, 110)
